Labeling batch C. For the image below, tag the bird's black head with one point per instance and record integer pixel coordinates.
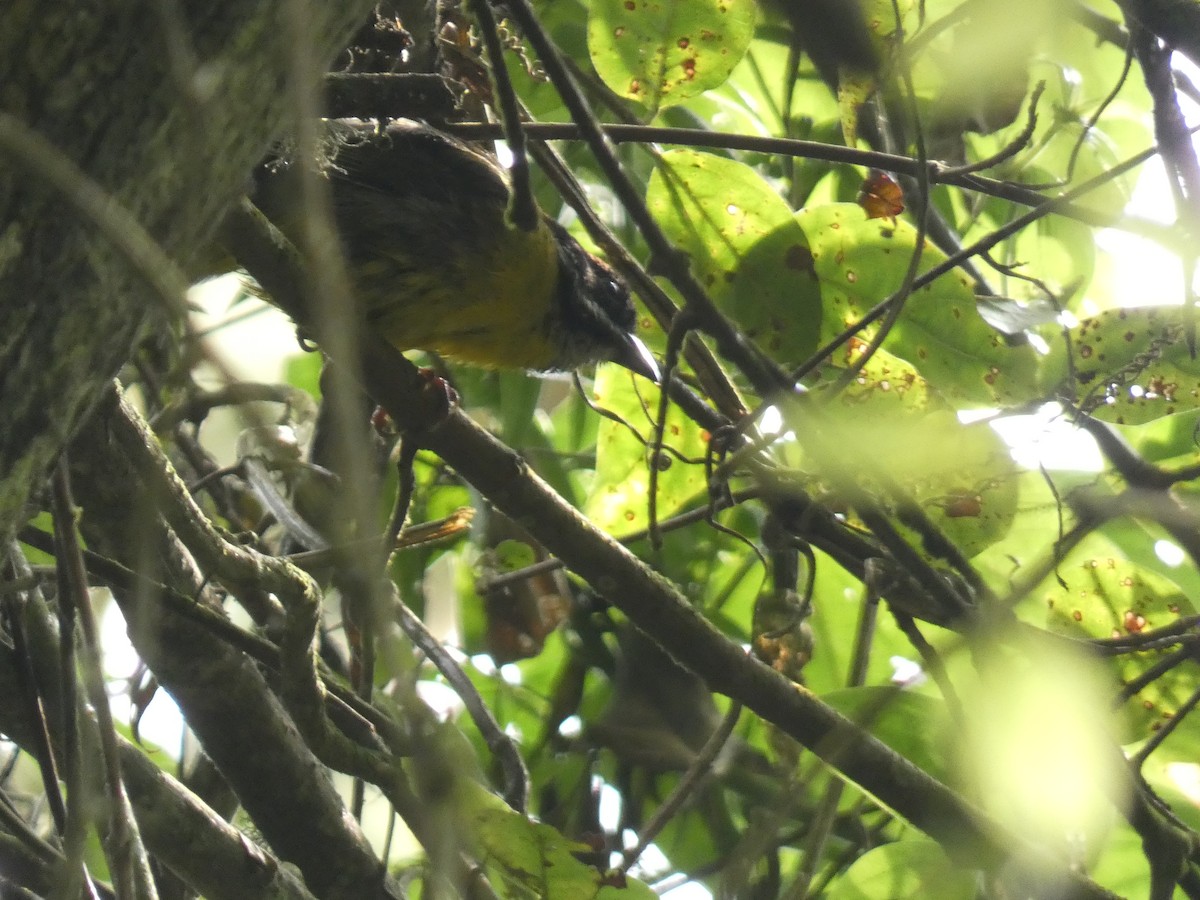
(595, 316)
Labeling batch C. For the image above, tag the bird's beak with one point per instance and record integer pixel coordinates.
(635, 356)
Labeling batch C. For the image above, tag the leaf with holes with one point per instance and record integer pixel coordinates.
(662, 52)
(1130, 365)
(860, 262)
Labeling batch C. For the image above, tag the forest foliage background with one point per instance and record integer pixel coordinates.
(888, 591)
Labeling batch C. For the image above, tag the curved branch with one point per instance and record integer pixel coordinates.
(1176, 22)
(224, 697)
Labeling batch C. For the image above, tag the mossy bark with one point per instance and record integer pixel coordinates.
(165, 106)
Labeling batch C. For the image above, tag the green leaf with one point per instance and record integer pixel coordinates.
(1121, 864)
(1108, 596)
(855, 87)
(836, 613)
(511, 555)
(914, 725)
(510, 399)
(303, 370)
(529, 859)
(1169, 441)
(745, 246)
(1133, 361)
(906, 870)
(1103, 595)
(620, 494)
(961, 475)
(860, 262)
(1173, 773)
(662, 52)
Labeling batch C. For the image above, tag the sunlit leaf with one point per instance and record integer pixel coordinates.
(860, 262)
(1121, 864)
(745, 247)
(660, 52)
(854, 89)
(1108, 597)
(1174, 773)
(620, 493)
(1038, 519)
(906, 870)
(856, 85)
(961, 476)
(1130, 365)
(1170, 442)
(509, 555)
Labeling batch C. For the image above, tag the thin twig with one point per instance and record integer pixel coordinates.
(1009, 150)
(875, 159)
(244, 568)
(13, 607)
(364, 722)
(757, 366)
(523, 210)
(682, 520)
(516, 788)
(683, 789)
(1156, 739)
(127, 854)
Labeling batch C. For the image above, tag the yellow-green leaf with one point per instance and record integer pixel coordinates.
(620, 497)
(860, 262)
(745, 246)
(661, 52)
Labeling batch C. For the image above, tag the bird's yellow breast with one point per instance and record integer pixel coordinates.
(490, 308)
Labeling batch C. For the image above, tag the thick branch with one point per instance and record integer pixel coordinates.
(1177, 22)
(205, 851)
(226, 701)
(656, 607)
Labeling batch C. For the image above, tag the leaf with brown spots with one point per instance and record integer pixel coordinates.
(1106, 596)
(860, 262)
(888, 421)
(746, 248)
(663, 52)
(1131, 365)
(619, 497)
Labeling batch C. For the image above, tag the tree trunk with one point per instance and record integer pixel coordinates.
(164, 106)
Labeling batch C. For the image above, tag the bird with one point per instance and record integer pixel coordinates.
(437, 265)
